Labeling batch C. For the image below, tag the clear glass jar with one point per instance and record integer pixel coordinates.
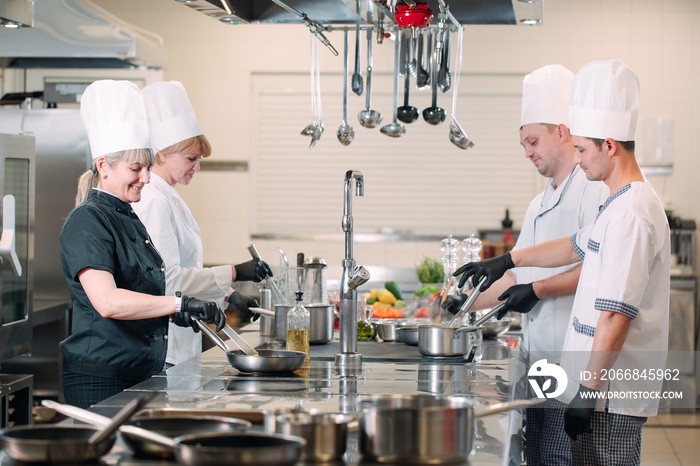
(298, 324)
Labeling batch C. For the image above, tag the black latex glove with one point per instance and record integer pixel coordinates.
(519, 298)
(183, 319)
(255, 270)
(577, 417)
(493, 269)
(205, 311)
(242, 303)
(454, 302)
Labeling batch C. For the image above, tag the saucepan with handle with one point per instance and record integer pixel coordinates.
(422, 428)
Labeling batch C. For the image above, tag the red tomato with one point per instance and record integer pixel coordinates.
(422, 312)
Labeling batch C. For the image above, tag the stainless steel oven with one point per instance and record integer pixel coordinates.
(16, 243)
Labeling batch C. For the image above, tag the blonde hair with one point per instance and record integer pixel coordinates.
(91, 178)
(184, 146)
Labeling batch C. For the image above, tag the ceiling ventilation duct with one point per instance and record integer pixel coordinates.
(16, 13)
(79, 34)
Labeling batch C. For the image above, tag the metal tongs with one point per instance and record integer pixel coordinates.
(313, 26)
(467, 304)
(276, 293)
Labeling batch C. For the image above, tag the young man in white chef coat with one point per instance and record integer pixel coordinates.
(619, 319)
(179, 144)
(568, 203)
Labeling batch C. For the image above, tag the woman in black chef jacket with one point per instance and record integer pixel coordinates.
(115, 275)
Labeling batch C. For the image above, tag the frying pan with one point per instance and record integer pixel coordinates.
(65, 443)
(267, 361)
(215, 448)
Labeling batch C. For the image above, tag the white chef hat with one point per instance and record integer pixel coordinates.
(605, 101)
(171, 118)
(546, 96)
(114, 117)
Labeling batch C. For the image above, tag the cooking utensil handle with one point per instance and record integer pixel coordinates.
(262, 311)
(238, 340)
(273, 287)
(77, 413)
(468, 303)
(213, 336)
(95, 419)
(121, 417)
(502, 407)
(489, 314)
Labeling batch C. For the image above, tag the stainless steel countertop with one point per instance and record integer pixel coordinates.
(211, 385)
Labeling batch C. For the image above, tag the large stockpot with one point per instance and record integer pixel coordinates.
(421, 429)
(320, 326)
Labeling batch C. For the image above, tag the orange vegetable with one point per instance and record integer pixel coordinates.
(386, 313)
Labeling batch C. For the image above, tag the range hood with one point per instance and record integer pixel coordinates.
(16, 13)
(327, 12)
(79, 34)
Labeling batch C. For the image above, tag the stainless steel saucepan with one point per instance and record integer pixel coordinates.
(439, 341)
(422, 429)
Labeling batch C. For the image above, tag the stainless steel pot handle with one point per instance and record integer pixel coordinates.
(262, 312)
(98, 420)
(502, 407)
(489, 314)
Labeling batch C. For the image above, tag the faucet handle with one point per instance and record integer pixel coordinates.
(360, 275)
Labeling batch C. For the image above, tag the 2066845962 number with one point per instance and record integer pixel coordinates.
(639, 374)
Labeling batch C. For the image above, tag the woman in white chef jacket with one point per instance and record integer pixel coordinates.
(178, 140)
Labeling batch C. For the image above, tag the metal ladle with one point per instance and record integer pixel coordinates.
(369, 118)
(394, 129)
(434, 115)
(457, 136)
(407, 113)
(345, 132)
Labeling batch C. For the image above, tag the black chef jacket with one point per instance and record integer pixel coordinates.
(104, 233)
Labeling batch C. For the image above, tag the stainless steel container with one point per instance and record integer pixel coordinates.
(326, 434)
(422, 429)
(267, 324)
(321, 331)
(443, 342)
(321, 326)
(315, 278)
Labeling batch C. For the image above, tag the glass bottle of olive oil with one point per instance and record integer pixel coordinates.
(298, 324)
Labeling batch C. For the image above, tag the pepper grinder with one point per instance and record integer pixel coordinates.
(449, 247)
(471, 247)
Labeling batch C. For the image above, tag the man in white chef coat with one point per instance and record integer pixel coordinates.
(568, 203)
(619, 320)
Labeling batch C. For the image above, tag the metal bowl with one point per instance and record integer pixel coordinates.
(325, 433)
(408, 335)
(387, 328)
(495, 328)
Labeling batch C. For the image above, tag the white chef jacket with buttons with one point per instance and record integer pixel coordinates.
(626, 268)
(553, 214)
(177, 237)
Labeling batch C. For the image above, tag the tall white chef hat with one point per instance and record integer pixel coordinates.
(546, 96)
(171, 118)
(605, 101)
(114, 117)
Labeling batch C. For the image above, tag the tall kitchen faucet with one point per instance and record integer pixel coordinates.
(348, 359)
